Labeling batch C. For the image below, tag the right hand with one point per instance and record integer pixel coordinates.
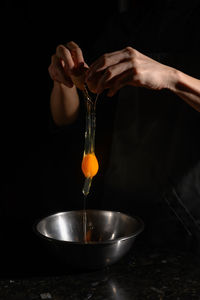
(68, 60)
(128, 66)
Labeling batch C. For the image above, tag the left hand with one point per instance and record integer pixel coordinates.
(115, 70)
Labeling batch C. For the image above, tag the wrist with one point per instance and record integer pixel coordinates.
(172, 78)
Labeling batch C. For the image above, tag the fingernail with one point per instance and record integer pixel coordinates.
(62, 63)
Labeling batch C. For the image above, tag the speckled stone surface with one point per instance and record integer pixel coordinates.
(141, 274)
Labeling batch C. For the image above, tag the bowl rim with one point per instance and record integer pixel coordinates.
(138, 219)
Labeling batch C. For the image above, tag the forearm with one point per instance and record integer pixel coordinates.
(64, 104)
(186, 87)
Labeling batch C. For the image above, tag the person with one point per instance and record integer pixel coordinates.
(113, 71)
(150, 74)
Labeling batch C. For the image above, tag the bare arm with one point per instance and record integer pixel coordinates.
(186, 87)
(64, 104)
(66, 66)
(112, 71)
(128, 66)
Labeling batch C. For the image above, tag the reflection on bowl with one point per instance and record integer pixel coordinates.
(89, 239)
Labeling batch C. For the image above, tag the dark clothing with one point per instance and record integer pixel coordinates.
(153, 169)
(155, 156)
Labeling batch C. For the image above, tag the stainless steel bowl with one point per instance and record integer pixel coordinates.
(89, 239)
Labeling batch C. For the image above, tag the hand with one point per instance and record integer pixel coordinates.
(115, 70)
(67, 62)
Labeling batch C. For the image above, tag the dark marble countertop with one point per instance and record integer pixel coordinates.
(142, 274)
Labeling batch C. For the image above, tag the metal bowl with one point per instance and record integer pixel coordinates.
(89, 239)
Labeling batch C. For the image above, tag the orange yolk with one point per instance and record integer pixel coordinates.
(89, 165)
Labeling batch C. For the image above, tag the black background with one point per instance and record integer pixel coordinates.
(32, 159)
(40, 170)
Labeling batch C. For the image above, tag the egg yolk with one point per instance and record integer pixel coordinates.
(89, 165)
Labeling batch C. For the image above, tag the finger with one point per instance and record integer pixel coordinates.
(124, 80)
(92, 84)
(64, 54)
(57, 76)
(107, 60)
(58, 73)
(111, 72)
(76, 53)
